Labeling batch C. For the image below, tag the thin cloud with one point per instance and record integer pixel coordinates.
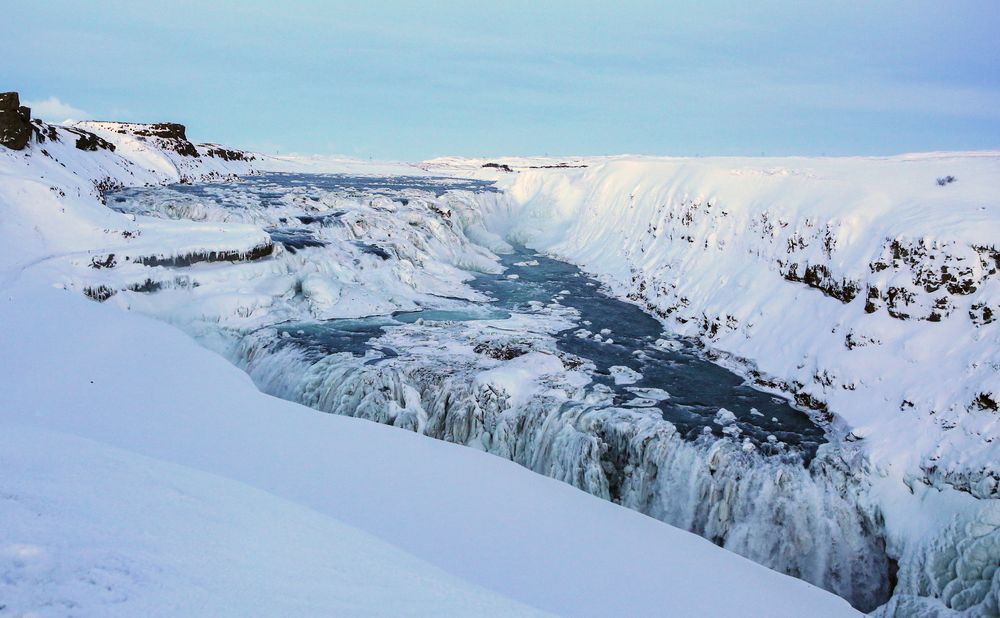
(54, 110)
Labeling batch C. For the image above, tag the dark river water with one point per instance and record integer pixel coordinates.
(670, 373)
(697, 388)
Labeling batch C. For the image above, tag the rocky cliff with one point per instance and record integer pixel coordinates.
(15, 122)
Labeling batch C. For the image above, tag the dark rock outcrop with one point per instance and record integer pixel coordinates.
(88, 141)
(818, 276)
(222, 255)
(15, 122)
(85, 140)
(168, 135)
(502, 167)
(226, 154)
(44, 132)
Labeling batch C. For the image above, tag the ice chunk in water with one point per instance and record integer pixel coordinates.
(656, 394)
(624, 375)
(724, 417)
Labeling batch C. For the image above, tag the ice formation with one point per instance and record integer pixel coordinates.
(515, 397)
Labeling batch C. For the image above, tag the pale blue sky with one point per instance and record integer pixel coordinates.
(413, 80)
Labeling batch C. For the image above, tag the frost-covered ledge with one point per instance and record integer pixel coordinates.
(862, 285)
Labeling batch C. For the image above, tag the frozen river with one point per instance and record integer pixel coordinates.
(394, 300)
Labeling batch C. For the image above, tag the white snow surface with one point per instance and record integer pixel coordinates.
(92, 530)
(145, 475)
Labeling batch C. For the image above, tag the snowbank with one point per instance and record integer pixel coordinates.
(99, 531)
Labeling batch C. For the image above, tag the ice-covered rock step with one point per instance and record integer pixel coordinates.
(162, 242)
(180, 260)
(126, 264)
(183, 243)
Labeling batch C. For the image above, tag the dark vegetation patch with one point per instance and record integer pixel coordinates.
(147, 286)
(99, 293)
(107, 261)
(985, 401)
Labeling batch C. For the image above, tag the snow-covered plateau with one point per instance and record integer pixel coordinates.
(145, 474)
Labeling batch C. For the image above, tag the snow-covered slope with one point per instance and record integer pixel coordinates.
(145, 475)
(92, 530)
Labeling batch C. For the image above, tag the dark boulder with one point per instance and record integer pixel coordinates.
(15, 122)
(226, 154)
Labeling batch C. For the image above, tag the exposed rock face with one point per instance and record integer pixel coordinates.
(167, 135)
(167, 130)
(223, 255)
(503, 167)
(85, 140)
(226, 154)
(15, 122)
(44, 131)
